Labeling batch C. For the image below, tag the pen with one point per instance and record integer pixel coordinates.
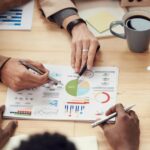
(109, 117)
(84, 68)
(29, 66)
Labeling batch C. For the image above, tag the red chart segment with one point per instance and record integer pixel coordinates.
(102, 97)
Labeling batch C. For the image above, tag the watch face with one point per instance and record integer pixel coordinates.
(135, 2)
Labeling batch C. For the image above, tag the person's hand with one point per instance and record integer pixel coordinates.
(18, 77)
(125, 133)
(8, 131)
(84, 46)
(6, 5)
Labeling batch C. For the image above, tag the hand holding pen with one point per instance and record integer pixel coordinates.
(85, 67)
(17, 77)
(107, 118)
(40, 72)
(124, 134)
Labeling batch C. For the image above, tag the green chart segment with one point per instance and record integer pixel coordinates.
(75, 89)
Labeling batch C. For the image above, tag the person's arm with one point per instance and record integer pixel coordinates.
(8, 131)
(3, 60)
(18, 77)
(6, 5)
(124, 134)
(84, 43)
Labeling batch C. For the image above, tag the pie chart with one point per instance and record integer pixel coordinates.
(74, 88)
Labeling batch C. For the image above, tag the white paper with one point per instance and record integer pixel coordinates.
(109, 10)
(82, 143)
(18, 18)
(84, 100)
(85, 143)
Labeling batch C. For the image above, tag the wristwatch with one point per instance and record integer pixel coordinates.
(73, 23)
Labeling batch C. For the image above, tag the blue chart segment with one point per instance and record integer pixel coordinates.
(12, 17)
(83, 88)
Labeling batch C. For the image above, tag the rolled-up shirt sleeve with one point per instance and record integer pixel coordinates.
(59, 16)
(57, 10)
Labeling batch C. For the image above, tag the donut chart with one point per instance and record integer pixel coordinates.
(74, 88)
(102, 97)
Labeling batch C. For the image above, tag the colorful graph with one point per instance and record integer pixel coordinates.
(102, 97)
(75, 88)
(74, 110)
(22, 112)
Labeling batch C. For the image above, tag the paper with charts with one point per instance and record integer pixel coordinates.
(18, 18)
(85, 99)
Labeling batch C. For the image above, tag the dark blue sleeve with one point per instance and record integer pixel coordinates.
(59, 17)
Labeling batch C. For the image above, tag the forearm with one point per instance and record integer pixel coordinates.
(51, 7)
(3, 60)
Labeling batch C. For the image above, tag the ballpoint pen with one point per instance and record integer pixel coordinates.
(29, 66)
(84, 68)
(98, 122)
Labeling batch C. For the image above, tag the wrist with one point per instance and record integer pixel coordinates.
(68, 20)
(79, 27)
(77, 23)
(2, 64)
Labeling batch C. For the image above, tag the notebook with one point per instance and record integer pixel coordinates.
(99, 14)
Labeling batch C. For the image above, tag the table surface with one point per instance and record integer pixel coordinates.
(49, 44)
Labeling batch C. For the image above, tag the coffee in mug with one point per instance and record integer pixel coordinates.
(136, 30)
(138, 23)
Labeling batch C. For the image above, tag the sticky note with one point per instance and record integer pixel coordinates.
(101, 20)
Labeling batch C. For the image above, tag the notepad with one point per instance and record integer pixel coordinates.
(82, 143)
(99, 14)
(101, 20)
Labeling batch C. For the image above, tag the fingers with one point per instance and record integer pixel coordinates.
(82, 52)
(38, 65)
(86, 44)
(8, 132)
(105, 125)
(78, 56)
(35, 78)
(134, 116)
(2, 108)
(73, 54)
(92, 53)
(116, 108)
(10, 128)
(28, 76)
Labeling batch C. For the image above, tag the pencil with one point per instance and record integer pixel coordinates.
(29, 66)
(109, 117)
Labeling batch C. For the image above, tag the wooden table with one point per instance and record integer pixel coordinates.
(49, 44)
